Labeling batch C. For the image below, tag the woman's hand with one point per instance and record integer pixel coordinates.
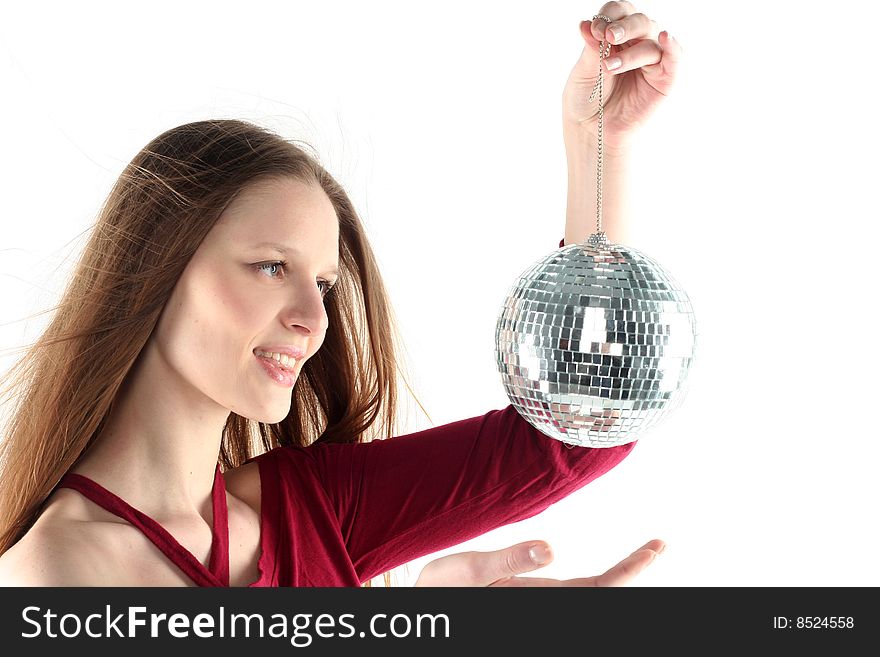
(648, 62)
(501, 567)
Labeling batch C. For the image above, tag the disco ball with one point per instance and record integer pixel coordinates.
(594, 343)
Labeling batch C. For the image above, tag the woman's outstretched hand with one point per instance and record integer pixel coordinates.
(648, 59)
(502, 567)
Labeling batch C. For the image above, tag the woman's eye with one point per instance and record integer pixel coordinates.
(265, 265)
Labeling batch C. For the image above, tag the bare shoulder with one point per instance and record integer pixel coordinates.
(60, 553)
(244, 483)
(76, 543)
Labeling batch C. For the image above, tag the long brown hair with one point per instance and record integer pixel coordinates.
(153, 220)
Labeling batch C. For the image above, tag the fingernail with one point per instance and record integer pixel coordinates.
(613, 63)
(617, 33)
(539, 554)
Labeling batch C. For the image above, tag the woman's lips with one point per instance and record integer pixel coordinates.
(285, 376)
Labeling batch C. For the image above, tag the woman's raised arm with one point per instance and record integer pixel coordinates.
(647, 60)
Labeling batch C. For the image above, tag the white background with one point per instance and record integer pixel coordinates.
(754, 185)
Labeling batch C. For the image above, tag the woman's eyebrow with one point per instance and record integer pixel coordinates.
(284, 250)
(281, 248)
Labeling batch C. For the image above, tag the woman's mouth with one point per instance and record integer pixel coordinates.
(279, 367)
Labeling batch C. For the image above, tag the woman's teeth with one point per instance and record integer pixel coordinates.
(284, 359)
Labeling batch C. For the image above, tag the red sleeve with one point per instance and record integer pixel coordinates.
(561, 242)
(401, 498)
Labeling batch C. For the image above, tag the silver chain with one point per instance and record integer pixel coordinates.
(604, 49)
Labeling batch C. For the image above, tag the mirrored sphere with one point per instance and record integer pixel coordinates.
(594, 343)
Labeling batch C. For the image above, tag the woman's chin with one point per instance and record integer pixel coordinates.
(268, 415)
(275, 418)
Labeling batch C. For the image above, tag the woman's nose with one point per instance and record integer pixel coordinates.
(307, 311)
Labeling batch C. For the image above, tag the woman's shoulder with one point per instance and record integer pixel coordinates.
(244, 483)
(60, 549)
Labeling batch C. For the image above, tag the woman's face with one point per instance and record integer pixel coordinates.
(234, 298)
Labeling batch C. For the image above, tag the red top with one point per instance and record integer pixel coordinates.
(341, 514)
(217, 572)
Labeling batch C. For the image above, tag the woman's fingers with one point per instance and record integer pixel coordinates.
(502, 567)
(529, 581)
(654, 544)
(613, 10)
(490, 567)
(484, 568)
(635, 563)
(627, 28)
(618, 575)
(643, 53)
(671, 53)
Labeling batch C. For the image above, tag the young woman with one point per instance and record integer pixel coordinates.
(208, 404)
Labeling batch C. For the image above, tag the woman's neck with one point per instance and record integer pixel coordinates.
(159, 446)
